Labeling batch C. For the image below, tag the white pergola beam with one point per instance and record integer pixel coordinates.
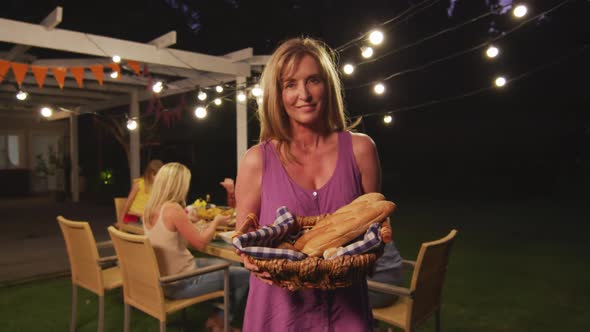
(240, 55)
(165, 40)
(90, 83)
(177, 87)
(51, 21)
(214, 78)
(52, 91)
(81, 43)
(48, 100)
(86, 62)
(257, 60)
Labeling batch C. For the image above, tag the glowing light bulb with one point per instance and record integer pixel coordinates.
(131, 124)
(200, 112)
(202, 95)
(21, 95)
(492, 51)
(158, 87)
(116, 59)
(114, 74)
(376, 37)
(367, 52)
(387, 119)
(46, 112)
(219, 89)
(520, 11)
(217, 101)
(379, 88)
(348, 69)
(241, 96)
(256, 91)
(500, 81)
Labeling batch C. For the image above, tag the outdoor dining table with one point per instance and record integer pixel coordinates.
(222, 249)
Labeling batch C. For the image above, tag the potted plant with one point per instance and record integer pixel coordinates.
(52, 170)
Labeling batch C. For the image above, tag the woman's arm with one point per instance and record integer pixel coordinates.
(176, 219)
(129, 201)
(248, 185)
(248, 193)
(367, 160)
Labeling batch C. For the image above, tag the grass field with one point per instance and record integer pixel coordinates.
(517, 265)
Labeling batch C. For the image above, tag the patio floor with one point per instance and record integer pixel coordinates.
(31, 243)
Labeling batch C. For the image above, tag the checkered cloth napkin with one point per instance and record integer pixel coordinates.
(261, 243)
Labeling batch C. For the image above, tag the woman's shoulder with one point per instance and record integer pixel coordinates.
(171, 209)
(362, 141)
(253, 157)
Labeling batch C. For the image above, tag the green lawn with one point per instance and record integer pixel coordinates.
(515, 266)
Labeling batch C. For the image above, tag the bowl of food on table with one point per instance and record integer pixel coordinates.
(201, 213)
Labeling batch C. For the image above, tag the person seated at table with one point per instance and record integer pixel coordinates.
(388, 270)
(139, 193)
(167, 225)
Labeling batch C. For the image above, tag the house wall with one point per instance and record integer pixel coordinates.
(35, 135)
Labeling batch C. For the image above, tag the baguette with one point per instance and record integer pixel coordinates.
(285, 245)
(359, 203)
(347, 228)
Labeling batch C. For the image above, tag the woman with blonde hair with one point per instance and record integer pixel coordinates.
(167, 225)
(140, 192)
(309, 161)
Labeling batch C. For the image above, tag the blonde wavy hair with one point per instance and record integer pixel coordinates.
(274, 121)
(170, 185)
(149, 173)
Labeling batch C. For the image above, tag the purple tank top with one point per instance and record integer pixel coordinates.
(271, 308)
(278, 189)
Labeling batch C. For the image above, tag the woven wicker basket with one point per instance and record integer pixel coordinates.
(313, 272)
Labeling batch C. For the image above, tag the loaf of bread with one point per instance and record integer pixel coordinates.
(344, 225)
(338, 216)
(285, 245)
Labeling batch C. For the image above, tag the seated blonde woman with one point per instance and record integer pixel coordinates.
(167, 225)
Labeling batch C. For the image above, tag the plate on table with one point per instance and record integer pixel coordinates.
(226, 236)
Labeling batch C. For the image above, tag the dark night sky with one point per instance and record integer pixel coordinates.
(532, 137)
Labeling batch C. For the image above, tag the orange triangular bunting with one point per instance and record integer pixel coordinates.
(4, 65)
(134, 65)
(115, 67)
(98, 71)
(78, 73)
(40, 74)
(19, 70)
(60, 75)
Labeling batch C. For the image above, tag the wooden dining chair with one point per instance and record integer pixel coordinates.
(423, 299)
(129, 228)
(87, 267)
(142, 282)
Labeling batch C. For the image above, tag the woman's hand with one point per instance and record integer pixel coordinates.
(263, 276)
(228, 184)
(192, 213)
(221, 220)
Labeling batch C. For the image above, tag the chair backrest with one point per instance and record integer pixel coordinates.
(428, 278)
(83, 254)
(119, 204)
(141, 275)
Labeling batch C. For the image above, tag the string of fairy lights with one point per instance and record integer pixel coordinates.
(376, 38)
(207, 97)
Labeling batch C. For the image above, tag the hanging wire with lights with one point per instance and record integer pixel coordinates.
(512, 80)
(462, 52)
